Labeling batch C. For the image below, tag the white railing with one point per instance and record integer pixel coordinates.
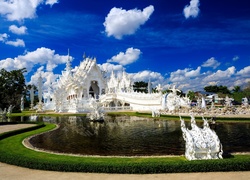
(117, 108)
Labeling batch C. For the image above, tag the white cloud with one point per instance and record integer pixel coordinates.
(185, 74)
(245, 72)
(220, 75)
(130, 56)
(16, 43)
(193, 73)
(192, 10)
(120, 22)
(3, 37)
(51, 2)
(18, 30)
(212, 62)
(42, 56)
(21, 9)
(147, 75)
(48, 78)
(107, 67)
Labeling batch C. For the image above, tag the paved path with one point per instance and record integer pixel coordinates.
(12, 127)
(10, 172)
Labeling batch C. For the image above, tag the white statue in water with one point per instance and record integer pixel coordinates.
(201, 143)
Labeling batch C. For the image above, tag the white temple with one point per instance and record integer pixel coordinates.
(73, 91)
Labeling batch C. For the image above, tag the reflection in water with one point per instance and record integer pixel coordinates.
(123, 135)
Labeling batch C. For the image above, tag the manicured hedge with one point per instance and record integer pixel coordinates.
(13, 152)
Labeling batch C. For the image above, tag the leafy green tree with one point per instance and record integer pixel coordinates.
(191, 95)
(140, 86)
(236, 89)
(246, 91)
(217, 89)
(12, 88)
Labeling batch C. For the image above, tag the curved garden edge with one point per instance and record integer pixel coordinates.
(13, 152)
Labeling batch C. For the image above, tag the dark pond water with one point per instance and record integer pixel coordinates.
(125, 136)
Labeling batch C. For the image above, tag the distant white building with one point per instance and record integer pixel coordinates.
(214, 98)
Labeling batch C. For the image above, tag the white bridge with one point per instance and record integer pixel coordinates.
(136, 101)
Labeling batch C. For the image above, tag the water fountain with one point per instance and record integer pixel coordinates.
(201, 143)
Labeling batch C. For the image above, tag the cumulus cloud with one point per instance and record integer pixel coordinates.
(212, 62)
(147, 75)
(220, 75)
(188, 79)
(18, 30)
(193, 73)
(16, 43)
(130, 56)
(108, 67)
(120, 22)
(21, 9)
(48, 78)
(42, 56)
(245, 72)
(192, 10)
(184, 74)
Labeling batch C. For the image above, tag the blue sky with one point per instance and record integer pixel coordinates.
(189, 43)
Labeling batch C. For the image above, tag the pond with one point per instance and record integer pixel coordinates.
(132, 136)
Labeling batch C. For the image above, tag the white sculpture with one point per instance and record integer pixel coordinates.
(9, 111)
(245, 102)
(174, 102)
(228, 101)
(203, 103)
(96, 111)
(3, 114)
(22, 103)
(40, 93)
(32, 97)
(201, 143)
(156, 113)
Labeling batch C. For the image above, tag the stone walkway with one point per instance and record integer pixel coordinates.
(10, 172)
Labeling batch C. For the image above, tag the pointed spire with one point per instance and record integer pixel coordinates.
(149, 86)
(84, 56)
(68, 64)
(112, 74)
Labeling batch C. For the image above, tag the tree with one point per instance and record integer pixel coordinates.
(191, 95)
(12, 88)
(217, 89)
(236, 89)
(246, 91)
(140, 86)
